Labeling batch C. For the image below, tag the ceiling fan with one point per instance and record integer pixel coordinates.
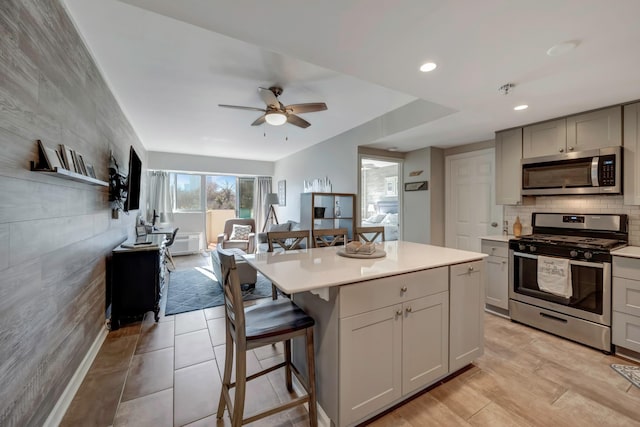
(276, 113)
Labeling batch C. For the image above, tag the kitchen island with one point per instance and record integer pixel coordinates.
(386, 328)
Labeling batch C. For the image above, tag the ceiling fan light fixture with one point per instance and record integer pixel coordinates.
(276, 118)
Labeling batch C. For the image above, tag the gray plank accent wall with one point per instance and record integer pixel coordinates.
(56, 235)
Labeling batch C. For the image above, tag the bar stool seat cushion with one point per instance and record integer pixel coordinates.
(275, 317)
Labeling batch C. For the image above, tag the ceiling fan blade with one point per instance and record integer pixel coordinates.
(238, 107)
(306, 108)
(298, 121)
(260, 120)
(268, 97)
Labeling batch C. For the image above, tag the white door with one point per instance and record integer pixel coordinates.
(470, 208)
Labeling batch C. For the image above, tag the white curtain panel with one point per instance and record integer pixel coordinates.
(263, 187)
(160, 197)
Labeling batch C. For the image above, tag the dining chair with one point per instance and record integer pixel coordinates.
(370, 234)
(329, 237)
(167, 252)
(287, 241)
(256, 326)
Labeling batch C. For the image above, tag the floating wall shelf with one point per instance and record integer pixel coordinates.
(66, 174)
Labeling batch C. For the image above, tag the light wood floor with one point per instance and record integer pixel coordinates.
(168, 373)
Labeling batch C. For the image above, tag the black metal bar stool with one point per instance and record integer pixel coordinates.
(256, 326)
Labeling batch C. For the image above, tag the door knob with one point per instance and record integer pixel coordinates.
(398, 312)
(409, 309)
(494, 224)
(403, 289)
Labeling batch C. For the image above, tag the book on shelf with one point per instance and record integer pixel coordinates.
(83, 168)
(65, 153)
(49, 156)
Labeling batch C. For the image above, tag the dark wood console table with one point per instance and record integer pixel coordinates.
(137, 280)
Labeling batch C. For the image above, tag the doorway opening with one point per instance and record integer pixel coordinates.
(380, 204)
(226, 197)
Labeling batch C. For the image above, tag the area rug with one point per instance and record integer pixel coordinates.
(632, 373)
(197, 288)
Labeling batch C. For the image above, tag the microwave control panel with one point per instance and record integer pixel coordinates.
(607, 171)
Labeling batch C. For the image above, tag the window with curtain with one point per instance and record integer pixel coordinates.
(187, 190)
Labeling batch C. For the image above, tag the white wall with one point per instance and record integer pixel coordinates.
(204, 164)
(416, 204)
(337, 158)
(423, 211)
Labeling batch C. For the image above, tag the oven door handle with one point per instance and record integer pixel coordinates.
(587, 264)
(572, 262)
(523, 255)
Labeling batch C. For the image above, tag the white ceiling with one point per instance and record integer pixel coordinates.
(170, 63)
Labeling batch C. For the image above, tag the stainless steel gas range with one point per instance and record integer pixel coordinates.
(560, 276)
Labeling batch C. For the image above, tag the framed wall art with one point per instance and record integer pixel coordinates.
(416, 186)
(282, 192)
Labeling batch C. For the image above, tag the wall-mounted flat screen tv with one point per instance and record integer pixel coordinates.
(133, 181)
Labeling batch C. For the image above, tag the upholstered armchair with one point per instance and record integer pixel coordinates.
(239, 233)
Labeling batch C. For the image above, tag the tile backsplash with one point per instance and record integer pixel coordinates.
(578, 205)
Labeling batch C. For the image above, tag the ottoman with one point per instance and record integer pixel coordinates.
(246, 273)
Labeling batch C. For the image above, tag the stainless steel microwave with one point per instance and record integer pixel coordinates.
(596, 171)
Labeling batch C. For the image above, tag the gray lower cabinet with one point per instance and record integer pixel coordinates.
(497, 284)
(392, 351)
(371, 354)
(466, 311)
(382, 340)
(625, 325)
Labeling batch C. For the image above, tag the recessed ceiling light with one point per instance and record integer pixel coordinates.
(392, 149)
(562, 48)
(521, 107)
(428, 66)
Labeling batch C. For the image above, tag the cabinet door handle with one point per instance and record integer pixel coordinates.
(561, 150)
(408, 309)
(470, 268)
(403, 289)
(570, 148)
(398, 312)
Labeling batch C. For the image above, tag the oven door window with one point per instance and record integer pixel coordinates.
(586, 283)
(567, 174)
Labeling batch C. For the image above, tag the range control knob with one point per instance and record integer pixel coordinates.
(573, 253)
(521, 247)
(532, 248)
(588, 255)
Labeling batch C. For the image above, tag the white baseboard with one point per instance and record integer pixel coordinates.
(323, 418)
(63, 403)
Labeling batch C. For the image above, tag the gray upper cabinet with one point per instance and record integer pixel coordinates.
(508, 170)
(595, 129)
(631, 154)
(544, 139)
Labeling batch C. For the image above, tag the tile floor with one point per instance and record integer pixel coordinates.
(168, 374)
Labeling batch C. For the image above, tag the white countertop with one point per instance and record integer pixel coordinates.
(313, 269)
(627, 251)
(499, 238)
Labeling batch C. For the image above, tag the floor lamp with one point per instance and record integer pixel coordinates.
(270, 200)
